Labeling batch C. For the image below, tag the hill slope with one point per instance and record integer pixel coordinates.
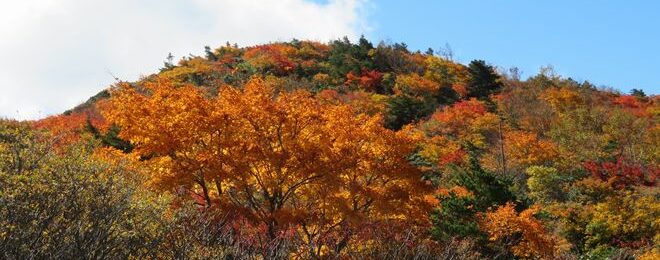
(540, 167)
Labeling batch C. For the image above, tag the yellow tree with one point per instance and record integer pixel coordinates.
(284, 161)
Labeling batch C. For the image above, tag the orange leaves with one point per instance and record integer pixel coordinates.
(164, 121)
(318, 167)
(459, 191)
(275, 157)
(521, 150)
(442, 151)
(521, 232)
(460, 115)
(67, 127)
(274, 57)
(444, 136)
(466, 121)
(527, 149)
(636, 105)
(461, 89)
(415, 85)
(628, 101)
(168, 119)
(367, 80)
(72, 127)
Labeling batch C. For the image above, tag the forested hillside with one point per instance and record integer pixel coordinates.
(306, 150)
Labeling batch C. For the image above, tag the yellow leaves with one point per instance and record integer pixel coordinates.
(629, 214)
(442, 151)
(562, 99)
(313, 50)
(114, 156)
(445, 72)
(321, 79)
(361, 101)
(197, 65)
(368, 103)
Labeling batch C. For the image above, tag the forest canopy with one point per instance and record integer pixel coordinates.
(308, 150)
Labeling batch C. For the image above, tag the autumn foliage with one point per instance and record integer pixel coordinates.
(283, 160)
(307, 150)
(521, 232)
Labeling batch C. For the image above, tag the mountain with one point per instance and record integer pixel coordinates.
(353, 150)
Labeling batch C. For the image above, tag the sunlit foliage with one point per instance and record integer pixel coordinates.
(306, 150)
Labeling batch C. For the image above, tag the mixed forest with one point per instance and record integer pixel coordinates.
(339, 150)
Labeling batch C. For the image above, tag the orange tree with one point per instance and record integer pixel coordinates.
(284, 161)
(521, 233)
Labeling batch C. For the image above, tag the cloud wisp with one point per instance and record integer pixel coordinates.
(57, 53)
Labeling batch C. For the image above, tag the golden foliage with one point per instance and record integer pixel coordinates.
(521, 232)
(276, 158)
(521, 150)
(415, 85)
(463, 122)
(563, 99)
(446, 72)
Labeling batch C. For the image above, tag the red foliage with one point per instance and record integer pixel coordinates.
(633, 104)
(461, 89)
(455, 157)
(621, 174)
(628, 101)
(328, 95)
(275, 55)
(367, 80)
(69, 128)
(467, 109)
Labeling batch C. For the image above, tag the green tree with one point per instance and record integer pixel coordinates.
(457, 214)
(483, 81)
(545, 184)
(454, 217)
(209, 54)
(638, 93)
(404, 109)
(345, 57)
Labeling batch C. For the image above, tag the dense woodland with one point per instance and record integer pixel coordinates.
(306, 150)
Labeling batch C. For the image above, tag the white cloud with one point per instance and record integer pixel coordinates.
(54, 54)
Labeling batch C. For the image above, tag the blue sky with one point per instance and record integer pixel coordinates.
(55, 54)
(611, 43)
